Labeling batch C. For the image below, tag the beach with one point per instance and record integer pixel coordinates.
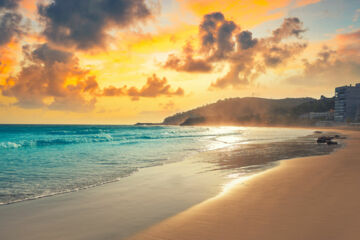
(239, 176)
(304, 198)
(179, 120)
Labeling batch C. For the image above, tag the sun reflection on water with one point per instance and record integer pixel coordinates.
(226, 137)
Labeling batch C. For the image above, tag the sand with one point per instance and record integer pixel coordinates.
(305, 198)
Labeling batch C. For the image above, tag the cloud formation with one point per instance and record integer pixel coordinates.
(187, 62)
(10, 21)
(154, 87)
(290, 27)
(349, 44)
(245, 40)
(333, 67)
(215, 33)
(83, 24)
(222, 41)
(9, 4)
(9, 27)
(51, 78)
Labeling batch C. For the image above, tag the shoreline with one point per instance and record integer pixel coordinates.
(100, 184)
(115, 210)
(74, 207)
(301, 198)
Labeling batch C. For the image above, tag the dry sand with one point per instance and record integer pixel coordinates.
(305, 198)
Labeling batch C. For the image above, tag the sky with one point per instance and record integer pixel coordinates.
(128, 61)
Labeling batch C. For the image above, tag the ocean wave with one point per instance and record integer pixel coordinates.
(56, 141)
(120, 136)
(10, 145)
(78, 132)
(98, 138)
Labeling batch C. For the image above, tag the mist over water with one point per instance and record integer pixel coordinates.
(43, 160)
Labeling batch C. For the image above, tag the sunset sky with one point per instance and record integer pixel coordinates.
(127, 61)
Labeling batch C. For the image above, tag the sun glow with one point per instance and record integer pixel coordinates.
(126, 53)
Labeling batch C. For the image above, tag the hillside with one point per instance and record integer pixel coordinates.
(252, 111)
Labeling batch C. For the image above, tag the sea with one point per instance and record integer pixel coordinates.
(39, 161)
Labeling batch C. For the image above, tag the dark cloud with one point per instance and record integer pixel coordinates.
(222, 42)
(10, 22)
(154, 87)
(216, 42)
(290, 27)
(208, 28)
(9, 4)
(216, 33)
(276, 55)
(49, 55)
(9, 27)
(187, 63)
(245, 40)
(83, 24)
(223, 38)
(44, 81)
(114, 91)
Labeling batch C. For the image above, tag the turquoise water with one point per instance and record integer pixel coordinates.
(43, 160)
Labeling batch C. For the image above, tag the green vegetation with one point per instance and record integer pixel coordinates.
(253, 111)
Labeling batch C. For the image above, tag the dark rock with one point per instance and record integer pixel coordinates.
(146, 124)
(324, 139)
(339, 137)
(328, 139)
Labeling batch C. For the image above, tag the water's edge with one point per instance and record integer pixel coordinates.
(216, 157)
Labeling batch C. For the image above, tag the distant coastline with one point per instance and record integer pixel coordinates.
(251, 111)
(147, 124)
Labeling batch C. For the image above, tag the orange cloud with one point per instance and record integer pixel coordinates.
(51, 78)
(29, 5)
(222, 42)
(8, 59)
(333, 66)
(348, 44)
(154, 87)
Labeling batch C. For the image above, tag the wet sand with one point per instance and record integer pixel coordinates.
(111, 211)
(305, 198)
